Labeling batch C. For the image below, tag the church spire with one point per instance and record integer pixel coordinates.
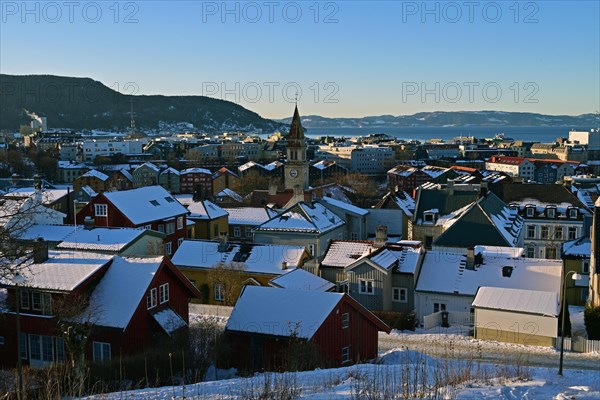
(296, 135)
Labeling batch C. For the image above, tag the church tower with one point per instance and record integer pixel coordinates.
(296, 168)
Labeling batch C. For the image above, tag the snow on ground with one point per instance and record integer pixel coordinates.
(487, 381)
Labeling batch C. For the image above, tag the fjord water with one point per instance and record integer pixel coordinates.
(544, 134)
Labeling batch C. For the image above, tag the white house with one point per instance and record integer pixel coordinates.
(516, 316)
(449, 281)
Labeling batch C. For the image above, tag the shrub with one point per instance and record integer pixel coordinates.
(591, 318)
(398, 320)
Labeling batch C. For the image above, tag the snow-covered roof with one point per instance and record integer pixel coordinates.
(406, 203)
(342, 253)
(51, 233)
(581, 247)
(272, 165)
(48, 195)
(249, 215)
(527, 301)
(146, 204)
(126, 174)
(170, 170)
(345, 206)
(256, 258)
(249, 165)
(101, 239)
(303, 217)
(95, 174)
(230, 193)
(281, 312)
(122, 288)
(196, 171)
(404, 258)
(169, 320)
(444, 272)
(89, 191)
(63, 270)
(300, 279)
(149, 165)
(433, 171)
(203, 209)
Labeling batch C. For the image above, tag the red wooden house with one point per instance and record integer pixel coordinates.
(264, 319)
(134, 303)
(149, 207)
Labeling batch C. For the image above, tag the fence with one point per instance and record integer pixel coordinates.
(579, 344)
(454, 318)
(208, 309)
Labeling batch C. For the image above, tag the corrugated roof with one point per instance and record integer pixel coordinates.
(527, 301)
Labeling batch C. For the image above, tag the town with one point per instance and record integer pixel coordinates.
(182, 252)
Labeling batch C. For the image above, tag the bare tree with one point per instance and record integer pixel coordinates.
(230, 277)
(364, 190)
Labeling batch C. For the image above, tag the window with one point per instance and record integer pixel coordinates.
(154, 203)
(437, 307)
(147, 227)
(170, 228)
(573, 213)
(530, 231)
(558, 232)
(366, 287)
(345, 320)
(23, 347)
(168, 249)
(551, 212)
(179, 241)
(101, 210)
(60, 349)
(101, 352)
(572, 233)
(311, 249)
(46, 304)
(215, 230)
(399, 294)
(585, 266)
(551, 253)
(163, 295)
(25, 299)
(237, 231)
(530, 252)
(544, 232)
(151, 299)
(429, 217)
(248, 232)
(179, 223)
(428, 242)
(219, 290)
(169, 199)
(346, 354)
(353, 236)
(530, 211)
(161, 228)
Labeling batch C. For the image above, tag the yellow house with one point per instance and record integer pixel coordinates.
(576, 257)
(220, 269)
(225, 179)
(209, 220)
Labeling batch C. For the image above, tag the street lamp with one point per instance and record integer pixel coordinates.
(576, 277)
(18, 280)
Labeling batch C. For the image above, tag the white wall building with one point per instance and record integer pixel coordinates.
(98, 147)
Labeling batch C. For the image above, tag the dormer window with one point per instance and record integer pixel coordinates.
(530, 211)
(430, 217)
(551, 212)
(572, 213)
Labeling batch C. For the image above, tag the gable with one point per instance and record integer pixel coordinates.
(481, 232)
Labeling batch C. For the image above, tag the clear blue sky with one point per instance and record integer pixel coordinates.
(365, 58)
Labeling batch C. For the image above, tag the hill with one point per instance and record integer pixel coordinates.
(83, 103)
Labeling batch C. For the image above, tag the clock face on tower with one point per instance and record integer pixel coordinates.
(293, 173)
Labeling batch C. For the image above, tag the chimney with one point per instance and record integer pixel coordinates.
(470, 258)
(284, 265)
(223, 243)
(40, 251)
(88, 223)
(272, 189)
(37, 185)
(14, 178)
(507, 271)
(380, 235)
(37, 181)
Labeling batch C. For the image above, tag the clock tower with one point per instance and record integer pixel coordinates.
(296, 168)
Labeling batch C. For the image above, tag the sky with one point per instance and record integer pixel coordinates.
(337, 58)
